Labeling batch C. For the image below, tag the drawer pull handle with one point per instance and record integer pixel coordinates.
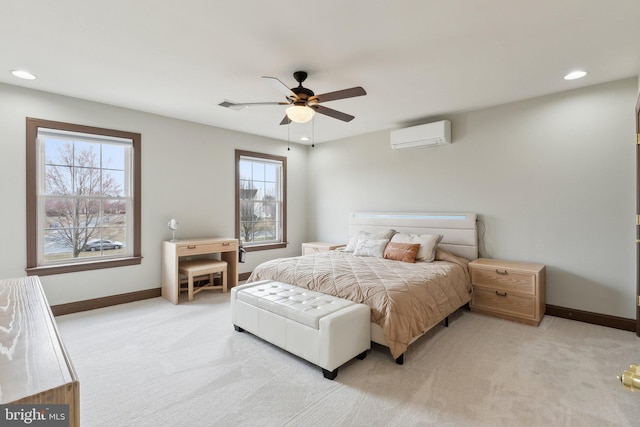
(504, 273)
(191, 246)
(226, 244)
(501, 294)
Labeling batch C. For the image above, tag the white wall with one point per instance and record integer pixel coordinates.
(187, 174)
(552, 178)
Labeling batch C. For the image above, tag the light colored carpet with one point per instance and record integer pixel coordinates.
(151, 363)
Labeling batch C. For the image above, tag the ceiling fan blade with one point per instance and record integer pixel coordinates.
(341, 94)
(286, 120)
(281, 87)
(230, 104)
(333, 113)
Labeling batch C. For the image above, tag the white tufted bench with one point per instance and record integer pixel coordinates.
(322, 329)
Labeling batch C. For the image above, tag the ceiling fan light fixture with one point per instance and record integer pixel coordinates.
(300, 113)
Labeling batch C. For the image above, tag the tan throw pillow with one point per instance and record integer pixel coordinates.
(405, 252)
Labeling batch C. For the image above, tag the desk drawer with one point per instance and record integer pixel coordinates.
(207, 248)
(505, 280)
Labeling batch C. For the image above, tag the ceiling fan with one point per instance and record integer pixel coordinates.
(303, 103)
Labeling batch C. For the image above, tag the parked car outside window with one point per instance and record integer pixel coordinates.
(97, 245)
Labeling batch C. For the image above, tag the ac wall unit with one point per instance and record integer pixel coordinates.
(421, 136)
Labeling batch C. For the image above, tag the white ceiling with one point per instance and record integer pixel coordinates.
(418, 60)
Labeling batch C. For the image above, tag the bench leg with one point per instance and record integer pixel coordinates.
(238, 328)
(330, 375)
(362, 355)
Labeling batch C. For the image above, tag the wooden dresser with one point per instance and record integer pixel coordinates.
(34, 365)
(508, 289)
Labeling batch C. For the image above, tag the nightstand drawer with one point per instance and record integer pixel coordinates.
(498, 301)
(505, 280)
(206, 248)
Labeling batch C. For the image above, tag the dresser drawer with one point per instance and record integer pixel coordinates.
(505, 280)
(206, 248)
(497, 301)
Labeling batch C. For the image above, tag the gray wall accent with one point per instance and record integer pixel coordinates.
(187, 173)
(552, 179)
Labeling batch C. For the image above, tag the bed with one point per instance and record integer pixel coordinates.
(406, 298)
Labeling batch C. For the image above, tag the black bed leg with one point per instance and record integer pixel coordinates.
(238, 328)
(446, 322)
(330, 375)
(400, 359)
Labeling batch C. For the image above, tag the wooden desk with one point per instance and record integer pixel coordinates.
(34, 365)
(173, 251)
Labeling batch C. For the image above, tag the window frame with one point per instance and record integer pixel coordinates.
(32, 125)
(267, 157)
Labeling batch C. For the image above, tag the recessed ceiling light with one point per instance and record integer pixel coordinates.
(304, 138)
(21, 74)
(575, 75)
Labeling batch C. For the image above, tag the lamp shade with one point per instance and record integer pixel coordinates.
(300, 113)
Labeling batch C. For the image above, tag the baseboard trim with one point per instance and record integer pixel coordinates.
(593, 318)
(552, 310)
(91, 304)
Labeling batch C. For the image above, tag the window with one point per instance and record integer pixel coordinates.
(83, 197)
(261, 200)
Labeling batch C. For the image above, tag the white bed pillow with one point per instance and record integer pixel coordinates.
(428, 244)
(351, 246)
(370, 247)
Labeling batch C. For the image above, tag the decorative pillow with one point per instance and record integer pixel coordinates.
(369, 247)
(351, 246)
(428, 244)
(405, 252)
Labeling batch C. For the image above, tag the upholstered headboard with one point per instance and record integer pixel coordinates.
(459, 231)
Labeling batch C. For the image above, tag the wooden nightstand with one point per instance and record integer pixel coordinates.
(508, 289)
(315, 247)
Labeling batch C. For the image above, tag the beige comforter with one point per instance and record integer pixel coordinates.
(406, 299)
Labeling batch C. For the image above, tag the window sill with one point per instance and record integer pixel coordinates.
(85, 266)
(256, 248)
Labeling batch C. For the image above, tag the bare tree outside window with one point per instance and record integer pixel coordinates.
(248, 215)
(83, 205)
